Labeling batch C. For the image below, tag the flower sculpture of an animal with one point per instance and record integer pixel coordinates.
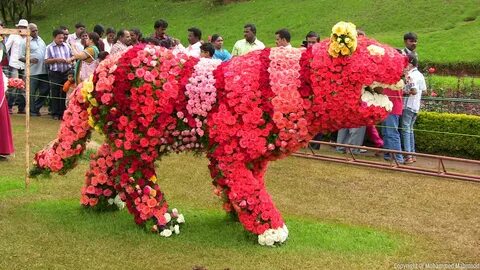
(243, 114)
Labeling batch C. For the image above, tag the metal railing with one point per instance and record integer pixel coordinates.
(350, 158)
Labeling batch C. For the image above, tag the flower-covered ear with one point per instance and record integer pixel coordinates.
(343, 40)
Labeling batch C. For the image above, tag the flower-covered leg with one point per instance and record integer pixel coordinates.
(143, 197)
(99, 190)
(249, 198)
(221, 188)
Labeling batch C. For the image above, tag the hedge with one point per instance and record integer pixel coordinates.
(448, 142)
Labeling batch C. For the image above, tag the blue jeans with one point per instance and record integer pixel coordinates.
(40, 87)
(391, 136)
(352, 136)
(408, 138)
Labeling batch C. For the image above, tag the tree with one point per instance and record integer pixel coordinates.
(14, 10)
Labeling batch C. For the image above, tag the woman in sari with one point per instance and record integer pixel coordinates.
(220, 52)
(6, 138)
(87, 59)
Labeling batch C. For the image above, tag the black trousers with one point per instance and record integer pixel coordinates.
(57, 79)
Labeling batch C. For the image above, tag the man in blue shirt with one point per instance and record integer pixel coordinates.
(38, 71)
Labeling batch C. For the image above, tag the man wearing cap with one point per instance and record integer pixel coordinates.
(13, 45)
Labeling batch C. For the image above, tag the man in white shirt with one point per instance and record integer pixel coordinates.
(282, 38)
(14, 43)
(249, 43)
(77, 36)
(414, 87)
(123, 42)
(194, 40)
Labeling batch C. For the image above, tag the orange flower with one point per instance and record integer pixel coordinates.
(151, 202)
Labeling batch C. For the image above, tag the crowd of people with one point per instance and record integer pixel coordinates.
(70, 58)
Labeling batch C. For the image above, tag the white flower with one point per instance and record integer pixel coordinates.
(269, 241)
(110, 201)
(176, 229)
(181, 218)
(167, 217)
(272, 236)
(261, 239)
(166, 233)
(376, 50)
(118, 202)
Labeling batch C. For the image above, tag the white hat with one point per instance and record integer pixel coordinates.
(22, 22)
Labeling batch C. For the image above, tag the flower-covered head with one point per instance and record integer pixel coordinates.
(348, 90)
(343, 40)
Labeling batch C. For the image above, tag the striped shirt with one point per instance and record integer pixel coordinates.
(58, 51)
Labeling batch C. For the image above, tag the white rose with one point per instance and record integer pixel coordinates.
(276, 237)
(261, 239)
(269, 241)
(376, 50)
(181, 218)
(167, 217)
(166, 233)
(110, 201)
(176, 229)
(120, 205)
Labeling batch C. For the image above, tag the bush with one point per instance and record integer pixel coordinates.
(452, 144)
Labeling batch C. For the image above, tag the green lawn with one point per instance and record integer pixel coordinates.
(449, 85)
(445, 33)
(339, 217)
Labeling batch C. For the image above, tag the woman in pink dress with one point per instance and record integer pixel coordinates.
(6, 138)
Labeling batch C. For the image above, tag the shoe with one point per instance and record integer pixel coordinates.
(409, 160)
(21, 112)
(55, 117)
(363, 151)
(35, 114)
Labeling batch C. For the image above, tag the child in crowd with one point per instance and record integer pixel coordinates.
(69, 86)
(207, 50)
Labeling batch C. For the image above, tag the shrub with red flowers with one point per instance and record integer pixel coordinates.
(16, 83)
(243, 113)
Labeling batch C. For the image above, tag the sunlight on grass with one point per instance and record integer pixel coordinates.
(211, 228)
(14, 186)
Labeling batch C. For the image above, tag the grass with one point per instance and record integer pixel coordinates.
(340, 217)
(449, 40)
(452, 85)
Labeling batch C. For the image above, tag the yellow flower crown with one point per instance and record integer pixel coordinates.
(343, 41)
